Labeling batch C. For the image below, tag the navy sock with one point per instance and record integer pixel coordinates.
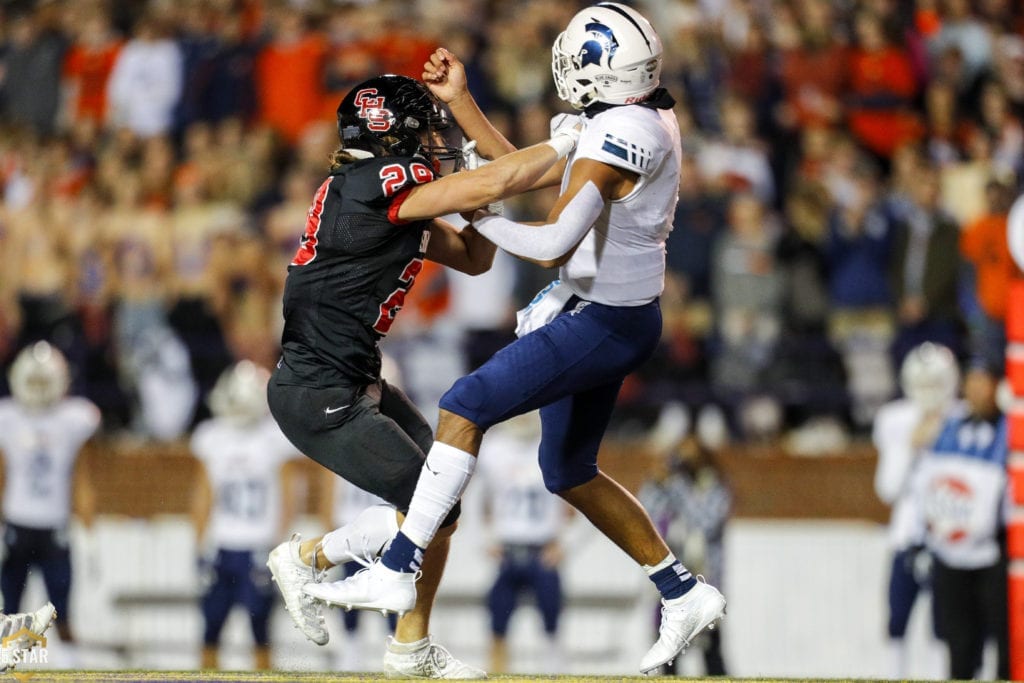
(673, 581)
(402, 555)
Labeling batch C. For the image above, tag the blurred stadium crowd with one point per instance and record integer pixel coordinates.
(844, 197)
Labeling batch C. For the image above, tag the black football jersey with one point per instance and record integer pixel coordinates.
(355, 264)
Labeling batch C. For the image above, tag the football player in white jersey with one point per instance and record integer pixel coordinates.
(42, 431)
(242, 504)
(903, 431)
(525, 525)
(583, 334)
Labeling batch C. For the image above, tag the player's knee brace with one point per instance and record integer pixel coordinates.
(453, 515)
(562, 476)
(465, 398)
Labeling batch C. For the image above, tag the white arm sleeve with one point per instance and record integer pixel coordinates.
(546, 242)
(892, 436)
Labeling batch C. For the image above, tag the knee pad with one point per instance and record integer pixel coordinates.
(453, 514)
(560, 476)
(465, 397)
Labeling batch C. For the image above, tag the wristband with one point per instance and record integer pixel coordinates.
(563, 144)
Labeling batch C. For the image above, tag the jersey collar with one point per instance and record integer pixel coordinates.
(659, 99)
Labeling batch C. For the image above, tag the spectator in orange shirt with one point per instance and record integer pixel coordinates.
(289, 75)
(883, 86)
(816, 72)
(983, 244)
(87, 68)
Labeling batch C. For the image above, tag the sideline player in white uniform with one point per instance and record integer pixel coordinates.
(963, 487)
(580, 337)
(42, 431)
(903, 431)
(242, 504)
(525, 525)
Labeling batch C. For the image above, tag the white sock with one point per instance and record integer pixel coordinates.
(897, 658)
(553, 657)
(365, 536)
(406, 648)
(442, 480)
(667, 562)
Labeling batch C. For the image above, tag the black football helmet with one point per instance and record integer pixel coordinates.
(394, 115)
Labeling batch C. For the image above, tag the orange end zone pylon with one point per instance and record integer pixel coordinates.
(1015, 467)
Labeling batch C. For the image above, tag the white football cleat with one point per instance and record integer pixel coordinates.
(373, 588)
(291, 574)
(24, 630)
(425, 659)
(682, 619)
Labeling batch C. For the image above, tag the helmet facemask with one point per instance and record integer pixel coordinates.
(439, 142)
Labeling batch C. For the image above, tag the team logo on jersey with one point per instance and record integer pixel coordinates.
(948, 507)
(600, 47)
(371, 108)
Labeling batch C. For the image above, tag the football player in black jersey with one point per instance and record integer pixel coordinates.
(584, 333)
(372, 222)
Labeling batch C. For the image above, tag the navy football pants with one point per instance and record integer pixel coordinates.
(522, 570)
(238, 579)
(571, 369)
(47, 550)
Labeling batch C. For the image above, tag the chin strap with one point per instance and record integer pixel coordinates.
(658, 99)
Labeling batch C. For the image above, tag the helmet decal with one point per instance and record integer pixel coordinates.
(370, 106)
(602, 44)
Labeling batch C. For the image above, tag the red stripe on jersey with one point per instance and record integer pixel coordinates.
(396, 204)
(307, 245)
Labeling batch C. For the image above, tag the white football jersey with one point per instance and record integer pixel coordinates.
(523, 512)
(40, 449)
(243, 463)
(621, 261)
(892, 431)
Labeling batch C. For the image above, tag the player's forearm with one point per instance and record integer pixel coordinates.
(550, 241)
(510, 175)
(479, 252)
(465, 250)
(523, 169)
(490, 143)
(893, 472)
